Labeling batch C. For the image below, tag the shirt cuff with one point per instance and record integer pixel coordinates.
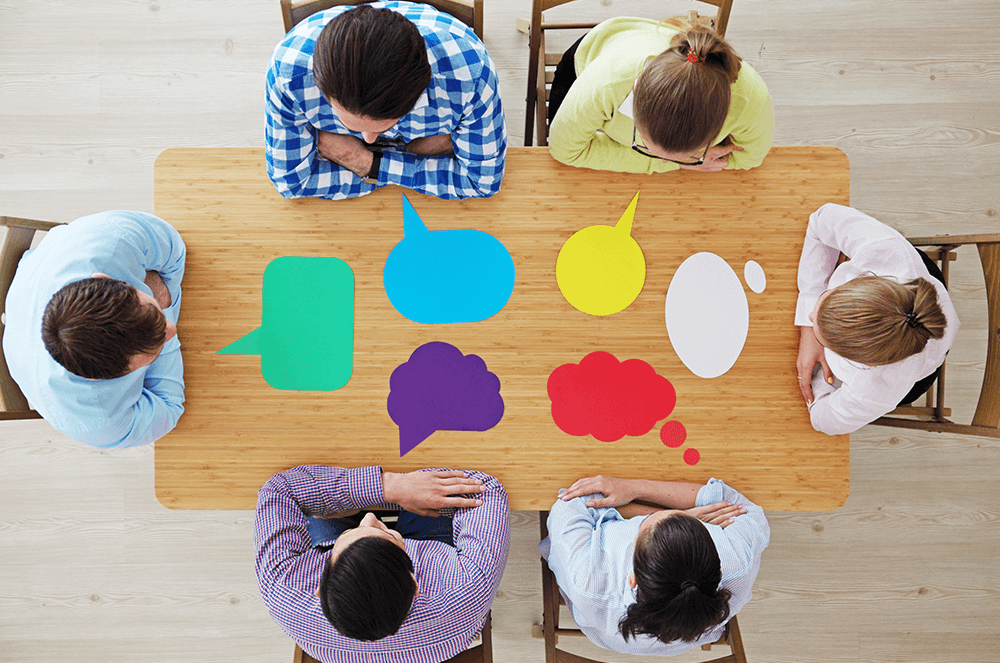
(804, 305)
(710, 493)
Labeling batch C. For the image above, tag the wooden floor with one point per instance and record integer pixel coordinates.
(94, 570)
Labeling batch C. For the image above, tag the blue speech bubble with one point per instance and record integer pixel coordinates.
(443, 276)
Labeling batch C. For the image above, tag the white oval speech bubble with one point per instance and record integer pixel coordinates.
(707, 315)
(755, 277)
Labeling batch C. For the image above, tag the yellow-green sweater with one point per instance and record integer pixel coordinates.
(589, 131)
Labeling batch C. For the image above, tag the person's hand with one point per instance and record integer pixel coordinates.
(160, 292)
(423, 493)
(431, 145)
(347, 151)
(810, 354)
(721, 513)
(716, 158)
(617, 492)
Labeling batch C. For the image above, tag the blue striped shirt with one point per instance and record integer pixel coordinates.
(590, 553)
(456, 584)
(463, 100)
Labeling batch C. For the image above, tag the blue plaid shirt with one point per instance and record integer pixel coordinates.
(463, 99)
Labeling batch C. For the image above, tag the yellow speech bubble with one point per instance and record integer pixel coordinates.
(600, 269)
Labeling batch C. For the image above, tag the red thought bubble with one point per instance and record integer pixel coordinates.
(609, 399)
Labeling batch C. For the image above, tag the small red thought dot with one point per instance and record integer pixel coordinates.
(691, 456)
(673, 434)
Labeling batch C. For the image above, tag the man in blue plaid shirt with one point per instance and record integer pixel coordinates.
(387, 93)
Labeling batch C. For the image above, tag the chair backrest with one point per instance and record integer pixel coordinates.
(481, 653)
(541, 64)
(469, 12)
(986, 420)
(20, 232)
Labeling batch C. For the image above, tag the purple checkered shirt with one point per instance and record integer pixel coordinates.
(456, 584)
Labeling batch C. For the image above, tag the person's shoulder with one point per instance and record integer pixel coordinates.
(749, 85)
(292, 57)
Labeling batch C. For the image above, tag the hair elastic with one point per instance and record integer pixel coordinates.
(911, 320)
(694, 58)
(688, 583)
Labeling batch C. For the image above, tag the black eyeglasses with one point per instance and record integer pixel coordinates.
(640, 150)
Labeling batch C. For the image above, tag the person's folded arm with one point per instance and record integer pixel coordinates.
(284, 503)
(572, 526)
(754, 133)
(482, 539)
(479, 151)
(750, 530)
(153, 415)
(845, 409)
(293, 163)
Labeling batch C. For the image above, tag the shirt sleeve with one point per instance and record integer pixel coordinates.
(482, 539)
(294, 165)
(748, 533)
(284, 503)
(849, 406)
(832, 230)
(754, 132)
(574, 549)
(479, 143)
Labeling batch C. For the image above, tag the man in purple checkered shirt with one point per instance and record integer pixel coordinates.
(375, 595)
(387, 93)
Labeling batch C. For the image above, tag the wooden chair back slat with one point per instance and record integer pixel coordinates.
(986, 421)
(469, 12)
(20, 232)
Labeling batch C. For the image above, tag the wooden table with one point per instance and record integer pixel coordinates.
(750, 424)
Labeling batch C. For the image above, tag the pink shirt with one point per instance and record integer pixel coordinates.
(860, 393)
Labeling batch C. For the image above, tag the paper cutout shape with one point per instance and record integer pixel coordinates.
(707, 315)
(306, 337)
(444, 276)
(601, 270)
(673, 434)
(440, 389)
(609, 399)
(754, 275)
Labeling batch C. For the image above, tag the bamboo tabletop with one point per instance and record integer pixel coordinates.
(750, 425)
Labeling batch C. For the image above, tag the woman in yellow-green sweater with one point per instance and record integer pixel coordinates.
(649, 97)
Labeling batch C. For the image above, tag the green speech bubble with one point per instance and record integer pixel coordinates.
(306, 337)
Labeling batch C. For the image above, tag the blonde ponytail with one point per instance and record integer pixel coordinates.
(876, 321)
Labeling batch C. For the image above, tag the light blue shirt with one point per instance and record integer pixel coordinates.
(127, 411)
(590, 553)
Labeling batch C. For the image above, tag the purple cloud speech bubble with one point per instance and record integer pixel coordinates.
(439, 388)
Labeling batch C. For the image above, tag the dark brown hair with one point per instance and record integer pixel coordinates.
(95, 326)
(372, 62)
(677, 574)
(877, 321)
(367, 591)
(681, 105)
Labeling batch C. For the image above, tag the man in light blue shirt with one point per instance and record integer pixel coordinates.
(91, 336)
(669, 576)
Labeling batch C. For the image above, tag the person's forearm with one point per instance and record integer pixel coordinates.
(666, 494)
(633, 509)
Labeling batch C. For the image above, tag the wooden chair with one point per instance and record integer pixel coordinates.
(481, 653)
(552, 599)
(20, 232)
(542, 64)
(469, 12)
(987, 417)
